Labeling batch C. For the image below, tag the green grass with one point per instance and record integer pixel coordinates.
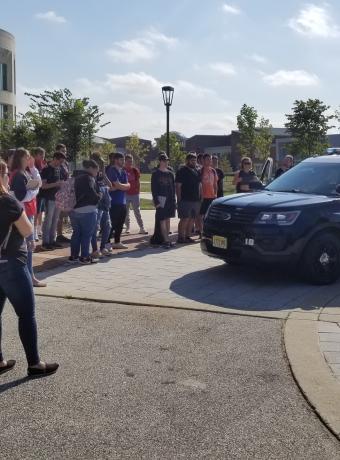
(145, 188)
(146, 205)
(145, 177)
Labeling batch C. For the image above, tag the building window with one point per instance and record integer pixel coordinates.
(3, 77)
(3, 112)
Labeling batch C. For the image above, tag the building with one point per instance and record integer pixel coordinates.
(7, 76)
(215, 145)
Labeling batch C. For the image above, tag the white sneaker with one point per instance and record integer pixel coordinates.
(96, 255)
(119, 246)
(106, 252)
(142, 231)
(108, 247)
(127, 230)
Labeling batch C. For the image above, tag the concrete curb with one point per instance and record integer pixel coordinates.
(311, 371)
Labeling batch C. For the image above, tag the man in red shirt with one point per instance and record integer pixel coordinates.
(133, 195)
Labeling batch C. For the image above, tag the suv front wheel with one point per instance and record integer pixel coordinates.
(320, 262)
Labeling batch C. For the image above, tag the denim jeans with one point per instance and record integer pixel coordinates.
(83, 225)
(16, 286)
(49, 228)
(29, 240)
(104, 222)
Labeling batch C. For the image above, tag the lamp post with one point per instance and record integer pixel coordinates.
(168, 94)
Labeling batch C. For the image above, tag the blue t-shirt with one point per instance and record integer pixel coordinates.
(114, 175)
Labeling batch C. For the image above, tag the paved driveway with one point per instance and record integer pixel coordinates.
(185, 277)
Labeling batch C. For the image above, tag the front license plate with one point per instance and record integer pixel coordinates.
(220, 242)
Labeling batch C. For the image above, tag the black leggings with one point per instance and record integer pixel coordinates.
(118, 216)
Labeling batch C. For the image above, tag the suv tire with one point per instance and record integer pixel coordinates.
(320, 262)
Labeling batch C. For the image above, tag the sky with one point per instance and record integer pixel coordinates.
(217, 55)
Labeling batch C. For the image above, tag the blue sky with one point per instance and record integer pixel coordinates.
(217, 54)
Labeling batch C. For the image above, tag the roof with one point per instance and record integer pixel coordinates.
(208, 140)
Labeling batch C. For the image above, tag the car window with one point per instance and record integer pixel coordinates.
(313, 178)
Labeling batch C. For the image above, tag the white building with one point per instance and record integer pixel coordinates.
(7, 76)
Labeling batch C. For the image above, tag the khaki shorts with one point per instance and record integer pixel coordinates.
(189, 209)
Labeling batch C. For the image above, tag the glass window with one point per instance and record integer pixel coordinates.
(3, 111)
(3, 77)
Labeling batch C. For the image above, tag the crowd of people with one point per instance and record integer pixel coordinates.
(37, 197)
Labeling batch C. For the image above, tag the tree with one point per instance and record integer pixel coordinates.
(75, 119)
(246, 123)
(308, 125)
(136, 148)
(14, 134)
(105, 150)
(263, 139)
(44, 130)
(177, 155)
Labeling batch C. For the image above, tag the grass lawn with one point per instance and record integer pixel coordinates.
(146, 205)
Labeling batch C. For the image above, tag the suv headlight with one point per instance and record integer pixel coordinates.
(277, 218)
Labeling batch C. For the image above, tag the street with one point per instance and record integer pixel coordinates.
(155, 383)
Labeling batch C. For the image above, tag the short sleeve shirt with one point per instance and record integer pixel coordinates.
(50, 175)
(10, 212)
(116, 175)
(190, 179)
(209, 182)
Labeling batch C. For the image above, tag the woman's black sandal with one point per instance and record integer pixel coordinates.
(49, 369)
(9, 366)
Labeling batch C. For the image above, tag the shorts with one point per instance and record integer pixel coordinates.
(188, 209)
(165, 213)
(205, 205)
(40, 204)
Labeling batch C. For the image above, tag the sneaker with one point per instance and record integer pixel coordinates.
(63, 239)
(106, 253)
(142, 231)
(108, 247)
(168, 245)
(56, 245)
(119, 246)
(39, 232)
(96, 255)
(47, 247)
(127, 230)
(87, 260)
(189, 240)
(73, 260)
(36, 238)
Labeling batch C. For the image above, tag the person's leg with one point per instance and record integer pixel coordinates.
(94, 243)
(164, 230)
(87, 223)
(113, 218)
(105, 225)
(30, 245)
(75, 238)
(2, 304)
(135, 201)
(46, 228)
(16, 284)
(127, 219)
(183, 228)
(121, 215)
(54, 224)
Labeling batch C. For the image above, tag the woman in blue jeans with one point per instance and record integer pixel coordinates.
(84, 215)
(16, 281)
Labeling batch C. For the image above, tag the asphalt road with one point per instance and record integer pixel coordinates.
(145, 383)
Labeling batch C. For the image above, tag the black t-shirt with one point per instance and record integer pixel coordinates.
(51, 175)
(10, 211)
(190, 179)
(220, 175)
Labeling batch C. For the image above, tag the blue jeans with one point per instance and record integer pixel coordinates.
(29, 240)
(104, 222)
(83, 225)
(16, 286)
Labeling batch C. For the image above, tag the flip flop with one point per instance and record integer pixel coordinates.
(9, 366)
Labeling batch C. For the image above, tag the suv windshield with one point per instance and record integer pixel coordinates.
(314, 178)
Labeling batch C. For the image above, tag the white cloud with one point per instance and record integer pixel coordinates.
(314, 21)
(291, 78)
(51, 16)
(124, 108)
(186, 87)
(141, 82)
(223, 68)
(258, 58)
(144, 48)
(231, 9)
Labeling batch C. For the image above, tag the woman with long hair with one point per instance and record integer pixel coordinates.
(245, 179)
(25, 182)
(15, 279)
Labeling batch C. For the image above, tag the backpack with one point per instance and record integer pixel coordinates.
(65, 198)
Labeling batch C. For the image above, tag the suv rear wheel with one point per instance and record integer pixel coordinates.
(320, 262)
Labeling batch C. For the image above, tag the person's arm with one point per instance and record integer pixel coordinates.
(46, 186)
(23, 225)
(154, 189)
(115, 184)
(178, 191)
(215, 182)
(95, 196)
(18, 186)
(236, 178)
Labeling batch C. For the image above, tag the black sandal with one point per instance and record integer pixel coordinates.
(9, 366)
(49, 369)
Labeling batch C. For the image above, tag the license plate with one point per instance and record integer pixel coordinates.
(220, 242)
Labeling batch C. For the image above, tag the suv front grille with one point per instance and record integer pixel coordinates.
(232, 215)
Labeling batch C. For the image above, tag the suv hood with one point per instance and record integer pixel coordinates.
(267, 199)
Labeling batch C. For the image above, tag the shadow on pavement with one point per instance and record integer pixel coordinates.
(14, 383)
(253, 289)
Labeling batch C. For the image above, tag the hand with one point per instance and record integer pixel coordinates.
(158, 206)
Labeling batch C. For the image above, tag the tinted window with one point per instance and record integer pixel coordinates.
(3, 77)
(314, 178)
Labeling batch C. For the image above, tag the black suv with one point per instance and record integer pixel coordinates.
(295, 221)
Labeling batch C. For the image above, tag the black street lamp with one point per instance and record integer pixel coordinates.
(168, 95)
